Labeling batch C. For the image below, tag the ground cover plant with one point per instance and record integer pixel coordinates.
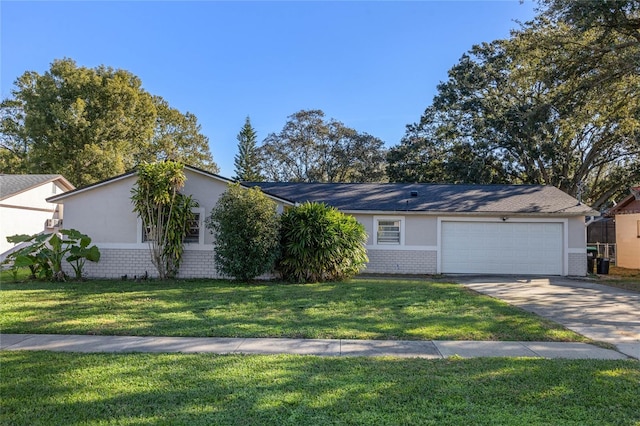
(44, 253)
(357, 309)
(42, 388)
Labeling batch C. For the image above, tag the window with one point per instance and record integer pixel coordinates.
(145, 233)
(193, 230)
(54, 188)
(388, 232)
(638, 231)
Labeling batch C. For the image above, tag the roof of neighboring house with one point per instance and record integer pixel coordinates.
(629, 205)
(11, 185)
(436, 198)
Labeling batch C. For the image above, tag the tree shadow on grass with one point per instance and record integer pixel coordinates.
(73, 389)
(355, 310)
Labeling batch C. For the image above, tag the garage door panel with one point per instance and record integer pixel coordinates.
(502, 248)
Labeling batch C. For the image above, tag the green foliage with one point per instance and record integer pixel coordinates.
(45, 253)
(91, 124)
(28, 256)
(178, 137)
(176, 230)
(246, 227)
(247, 161)
(320, 243)
(164, 211)
(310, 149)
(427, 153)
(558, 103)
(80, 252)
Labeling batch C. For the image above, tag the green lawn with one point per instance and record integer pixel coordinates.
(359, 309)
(44, 388)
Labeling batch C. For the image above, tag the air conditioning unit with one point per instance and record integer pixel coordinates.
(53, 223)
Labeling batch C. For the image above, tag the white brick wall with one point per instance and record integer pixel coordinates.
(198, 264)
(402, 262)
(114, 263)
(578, 264)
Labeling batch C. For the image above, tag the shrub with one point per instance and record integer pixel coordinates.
(320, 243)
(246, 225)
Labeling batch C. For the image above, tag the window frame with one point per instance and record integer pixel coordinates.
(197, 210)
(376, 226)
(200, 212)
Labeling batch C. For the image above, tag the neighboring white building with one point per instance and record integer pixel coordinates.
(24, 208)
(412, 228)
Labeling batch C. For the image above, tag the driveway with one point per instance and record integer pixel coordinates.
(598, 312)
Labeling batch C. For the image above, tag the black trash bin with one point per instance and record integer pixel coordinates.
(603, 266)
(592, 253)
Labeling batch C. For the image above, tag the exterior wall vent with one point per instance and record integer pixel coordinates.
(414, 193)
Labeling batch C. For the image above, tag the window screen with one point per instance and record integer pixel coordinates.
(388, 232)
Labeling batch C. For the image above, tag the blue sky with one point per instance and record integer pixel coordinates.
(371, 65)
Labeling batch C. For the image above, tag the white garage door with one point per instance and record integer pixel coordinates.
(502, 248)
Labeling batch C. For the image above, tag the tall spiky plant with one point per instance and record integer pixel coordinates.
(320, 243)
(164, 212)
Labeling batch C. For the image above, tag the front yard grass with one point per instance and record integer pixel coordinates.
(358, 309)
(44, 388)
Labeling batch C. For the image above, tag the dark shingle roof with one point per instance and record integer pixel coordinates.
(436, 198)
(14, 184)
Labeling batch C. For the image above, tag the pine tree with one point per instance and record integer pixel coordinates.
(247, 161)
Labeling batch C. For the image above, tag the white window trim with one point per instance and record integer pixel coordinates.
(190, 246)
(200, 242)
(377, 219)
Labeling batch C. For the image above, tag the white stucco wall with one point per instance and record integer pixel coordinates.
(627, 241)
(420, 246)
(206, 192)
(577, 233)
(27, 212)
(105, 213)
(421, 230)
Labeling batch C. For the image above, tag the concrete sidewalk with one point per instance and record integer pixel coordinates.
(322, 347)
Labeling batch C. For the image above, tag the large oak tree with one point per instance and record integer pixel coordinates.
(312, 149)
(91, 124)
(557, 103)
